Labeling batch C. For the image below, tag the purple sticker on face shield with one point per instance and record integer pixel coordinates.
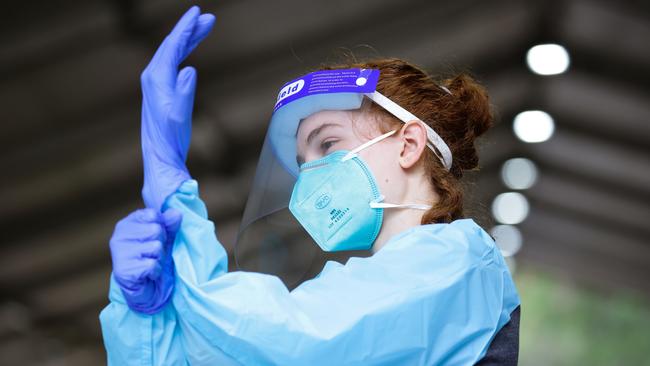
(328, 81)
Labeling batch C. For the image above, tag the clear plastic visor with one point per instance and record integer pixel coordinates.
(270, 239)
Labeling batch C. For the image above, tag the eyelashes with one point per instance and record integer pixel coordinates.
(326, 145)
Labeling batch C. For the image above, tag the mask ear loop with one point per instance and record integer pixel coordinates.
(379, 204)
(354, 151)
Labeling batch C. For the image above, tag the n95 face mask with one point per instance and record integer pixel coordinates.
(337, 200)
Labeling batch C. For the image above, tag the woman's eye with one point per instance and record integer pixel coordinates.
(327, 144)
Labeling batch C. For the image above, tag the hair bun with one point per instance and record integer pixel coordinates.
(471, 107)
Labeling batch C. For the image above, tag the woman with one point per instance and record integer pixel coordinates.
(346, 154)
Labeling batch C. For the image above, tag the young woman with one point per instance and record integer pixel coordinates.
(358, 156)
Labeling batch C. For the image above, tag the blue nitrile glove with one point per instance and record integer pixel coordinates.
(168, 96)
(141, 250)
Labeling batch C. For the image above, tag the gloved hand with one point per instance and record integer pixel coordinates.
(141, 250)
(168, 96)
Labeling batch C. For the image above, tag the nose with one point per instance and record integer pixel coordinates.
(311, 156)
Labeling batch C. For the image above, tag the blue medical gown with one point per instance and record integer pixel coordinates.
(433, 295)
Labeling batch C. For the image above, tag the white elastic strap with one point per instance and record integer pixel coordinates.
(435, 141)
(354, 151)
(379, 204)
(416, 206)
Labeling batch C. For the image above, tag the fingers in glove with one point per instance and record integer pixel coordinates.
(151, 268)
(182, 33)
(201, 30)
(146, 215)
(153, 231)
(170, 48)
(189, 35)
(172, 220)
(181, 109)
(140, 215)
(128, 224)
(152, 249)
(141, 225)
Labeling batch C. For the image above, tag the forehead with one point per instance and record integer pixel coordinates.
(320, 118)
(353, 120)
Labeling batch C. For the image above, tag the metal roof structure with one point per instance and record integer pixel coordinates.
(71, 159)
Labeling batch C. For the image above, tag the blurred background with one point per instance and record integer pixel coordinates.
(564, 185)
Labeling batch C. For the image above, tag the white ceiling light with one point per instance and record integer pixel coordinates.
(548, 59)
(510, 208)
(534, 126)
(519, 173)
(508, 239)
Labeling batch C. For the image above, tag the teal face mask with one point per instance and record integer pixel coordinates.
(337, 200)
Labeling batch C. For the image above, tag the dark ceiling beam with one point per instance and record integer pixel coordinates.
(55, 34)
(600, 107)
(600, 160)
(613, 211)
(626, 215)
(610, 39)
(70, 95)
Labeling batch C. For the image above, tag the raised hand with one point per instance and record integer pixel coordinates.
(167, 101)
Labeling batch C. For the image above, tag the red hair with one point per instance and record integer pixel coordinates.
(459, 118)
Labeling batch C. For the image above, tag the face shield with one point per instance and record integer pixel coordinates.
(270, 239)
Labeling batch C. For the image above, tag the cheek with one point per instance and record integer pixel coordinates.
(383, 166)
(347, 144)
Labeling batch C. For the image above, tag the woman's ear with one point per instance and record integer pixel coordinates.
(414, 140)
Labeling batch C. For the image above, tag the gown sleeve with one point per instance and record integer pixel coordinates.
(439, 303)
(133, 338)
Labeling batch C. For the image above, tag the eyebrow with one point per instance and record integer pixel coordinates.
(313, 135)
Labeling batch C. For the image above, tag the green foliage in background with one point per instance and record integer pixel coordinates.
(565, 324)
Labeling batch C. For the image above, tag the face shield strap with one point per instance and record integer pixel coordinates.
(435, 142)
